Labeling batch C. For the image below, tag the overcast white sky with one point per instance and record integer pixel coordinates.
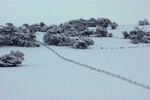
(57, 11)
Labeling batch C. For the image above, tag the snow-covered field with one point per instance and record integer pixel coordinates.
(44, 76)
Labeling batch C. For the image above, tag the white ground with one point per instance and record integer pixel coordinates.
(44, 76)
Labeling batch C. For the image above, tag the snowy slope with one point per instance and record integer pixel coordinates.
(44, 76)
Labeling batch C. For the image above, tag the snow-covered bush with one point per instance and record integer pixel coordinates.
(114, 25)
(103, 22)
(143, 22)
(82, 24)
(92, 22)
(42, 24)
(57, 39)
(55, 30)
(88, 41)
(38, 27)
(12, 59)
(63, 40)
(126, 35)
(13, 36)
(101, 32)
(81, 43)
(137, 36)
(26, 40)
(86, 33)
(72, 32)
(76, 27)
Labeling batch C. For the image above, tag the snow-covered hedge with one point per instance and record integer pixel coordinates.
(63, 40)
(79, 26)
(12, 59)
(137, 36)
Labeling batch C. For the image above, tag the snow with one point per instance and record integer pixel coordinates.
(44, 76)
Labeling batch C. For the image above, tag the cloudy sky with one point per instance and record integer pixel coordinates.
(57, 11)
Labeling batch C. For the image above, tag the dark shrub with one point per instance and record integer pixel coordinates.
(13, 36)
(12, 59)
(86, 33)
(79, 44)
(114, 25)
(88, 41)
(82, 43)
(137, 36)
(143, 22)
(100, 32)
(57, 39)
(126, 35)
(103, 22)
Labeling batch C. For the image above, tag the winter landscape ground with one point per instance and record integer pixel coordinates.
(44, 76)
(74, 50)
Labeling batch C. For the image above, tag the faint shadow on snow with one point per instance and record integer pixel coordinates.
(18, 66)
